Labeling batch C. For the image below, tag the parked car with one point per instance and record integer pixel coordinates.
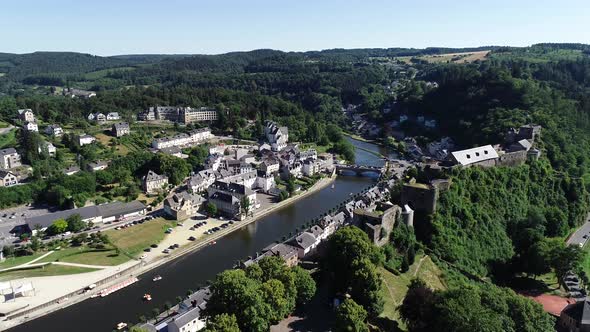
(192, 238)
(166, 251)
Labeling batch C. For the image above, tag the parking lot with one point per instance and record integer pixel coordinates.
(10, 218)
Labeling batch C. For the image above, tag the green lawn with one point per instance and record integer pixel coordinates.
(8, 139)
(44, 271)
(134, 240)
(395, 287)
(15, 261)
(85, 255)
(2, 123)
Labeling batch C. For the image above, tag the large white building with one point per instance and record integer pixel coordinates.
(276, 136)
(179, 114)
(85, 139)
(183, 140)
(9, 158)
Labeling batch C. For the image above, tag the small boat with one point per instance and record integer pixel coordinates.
(121, 326)
(147, 297)
(213, 242)
(332, 186)
(157, 278)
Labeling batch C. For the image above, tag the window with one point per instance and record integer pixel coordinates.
(468, 156)
(485, 151)
(477, 154)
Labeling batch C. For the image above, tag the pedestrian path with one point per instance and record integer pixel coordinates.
(36, 259)
(82, 265)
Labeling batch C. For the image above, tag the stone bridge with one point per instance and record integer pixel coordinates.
(359, 170)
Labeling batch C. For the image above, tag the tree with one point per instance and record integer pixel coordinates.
(211, 209)
(57, 227)
(306, 286)
(222, 323)
(350, 317)
(245, 204)
(75, 223)
(417, 308)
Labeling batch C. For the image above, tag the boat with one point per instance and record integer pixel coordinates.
(121, 326)
(332, 186)
(147, 297)
(157, 278)
(213, 242)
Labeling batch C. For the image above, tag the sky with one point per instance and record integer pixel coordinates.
(110, 27)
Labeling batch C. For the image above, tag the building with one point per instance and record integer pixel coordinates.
(276, 136)
(575, 317)
(115, 211)
(98, 117)
(378, 224)
(54, 130)
(9, 158)
(270, 166)
(226, 204)
(48, 147)
(71, 170)
(184, 115)
(287, 252)
(113, 116)
(311, 167)
(120, 129)
(97, 166)
(195, 137)
(153, 182)
(77, 93)
(190, 115)
(181, 206)
(7, 178)
(423, 197)
(85, 139)
(265, 182)
(31, 126)
(26, 115)
(440, 149)
(305, 243)
(308, 154)
(484, 156)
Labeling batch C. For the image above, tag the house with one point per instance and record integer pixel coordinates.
(311, 167)
(26, 115)
(269, 166)
(226, 204)
(484, 156)
(9, 158)
(305, 243)
(75, 93)
(174, 151)
(54, 130)
(183, 205)
(201, 181)
(71, 170)
(294, 170)
(264, 182)
(113, 116)
(120, 129)
(190, 320)
(7, 178)
(49, 147)
(276, 136)
(84, 139)
(97, 166)
(575, 317)
(440, 149)
(109, 212)
(153, 182)
(308, 154)
(213, 162)
(287, 252)
(98, 117)
(31, 126)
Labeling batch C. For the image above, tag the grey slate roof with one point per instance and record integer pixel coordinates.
(304, 240)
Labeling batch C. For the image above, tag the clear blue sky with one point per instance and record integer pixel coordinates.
(109, 27)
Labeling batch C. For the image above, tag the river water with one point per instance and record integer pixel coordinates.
(195, 269)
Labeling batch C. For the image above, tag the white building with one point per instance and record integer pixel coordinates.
(153, 182)
(113, 116)
(483, 155)
(49, 147)
(7, 178)
(31, 126)
(85, 139)
(311, 167)
(9, 158)
(190, 115)
(278, 137)
(195, 137)
(26, 115)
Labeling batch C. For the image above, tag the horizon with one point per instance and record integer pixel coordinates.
(205, 27)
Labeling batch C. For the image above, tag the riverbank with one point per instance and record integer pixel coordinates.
(157, 260)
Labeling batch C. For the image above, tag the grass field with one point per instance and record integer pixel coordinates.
(85, 255)
(540, 55)
(134, 239)
(4, 124)
(103, 138)
(44, 271)
(395, 287)
(465, 57)
(8, 139)
(14, 261)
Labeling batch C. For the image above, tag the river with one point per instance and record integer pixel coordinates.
(194, 269)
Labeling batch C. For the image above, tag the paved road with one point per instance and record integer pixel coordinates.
(581, 235)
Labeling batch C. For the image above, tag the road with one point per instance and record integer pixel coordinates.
(581, 235)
